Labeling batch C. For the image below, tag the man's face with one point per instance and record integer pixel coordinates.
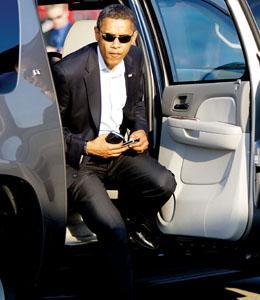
(59, 17)
(113, 52)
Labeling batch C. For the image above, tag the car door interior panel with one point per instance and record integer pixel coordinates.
(206, 148)
(206, 134)
(211, 101)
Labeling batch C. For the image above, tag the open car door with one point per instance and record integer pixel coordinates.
(209, 112)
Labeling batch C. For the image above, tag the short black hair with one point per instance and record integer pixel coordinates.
(116, 11)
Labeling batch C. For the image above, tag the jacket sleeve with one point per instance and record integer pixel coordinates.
(74, 144)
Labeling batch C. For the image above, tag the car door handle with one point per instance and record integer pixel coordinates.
(183, 106)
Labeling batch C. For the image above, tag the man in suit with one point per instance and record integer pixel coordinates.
(100, 89)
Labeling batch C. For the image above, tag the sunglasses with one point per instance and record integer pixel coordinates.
(123, 39)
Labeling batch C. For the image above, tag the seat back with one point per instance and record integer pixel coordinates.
(80, 34)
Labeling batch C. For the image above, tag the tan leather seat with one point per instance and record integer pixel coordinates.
(80, 34)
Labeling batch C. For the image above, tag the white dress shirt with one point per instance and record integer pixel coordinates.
(113, 95)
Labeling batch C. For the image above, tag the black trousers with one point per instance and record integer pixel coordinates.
(139, 175)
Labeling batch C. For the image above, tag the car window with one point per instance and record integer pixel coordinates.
(201, 40)
(255, 8)
(9, 45)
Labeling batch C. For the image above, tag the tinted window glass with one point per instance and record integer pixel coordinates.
(255, 7)
(9, 45)
(201, 40)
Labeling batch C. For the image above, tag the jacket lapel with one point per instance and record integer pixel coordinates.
(129, 80)
(92, 83)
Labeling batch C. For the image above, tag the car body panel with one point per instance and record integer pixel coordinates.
(31, 140)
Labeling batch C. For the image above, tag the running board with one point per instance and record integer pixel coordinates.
(189, 276)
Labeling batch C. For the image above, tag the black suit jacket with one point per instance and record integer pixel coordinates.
(77, 81)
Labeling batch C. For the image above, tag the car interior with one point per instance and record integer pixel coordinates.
(205, 134)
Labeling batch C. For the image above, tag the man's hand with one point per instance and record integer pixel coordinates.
(142, 144)
(100, 147)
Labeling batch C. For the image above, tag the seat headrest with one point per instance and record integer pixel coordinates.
(80, 34)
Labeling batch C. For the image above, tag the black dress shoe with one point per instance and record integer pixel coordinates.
(143, 237)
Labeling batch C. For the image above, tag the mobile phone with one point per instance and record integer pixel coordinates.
(114, 137)
(130, 142)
